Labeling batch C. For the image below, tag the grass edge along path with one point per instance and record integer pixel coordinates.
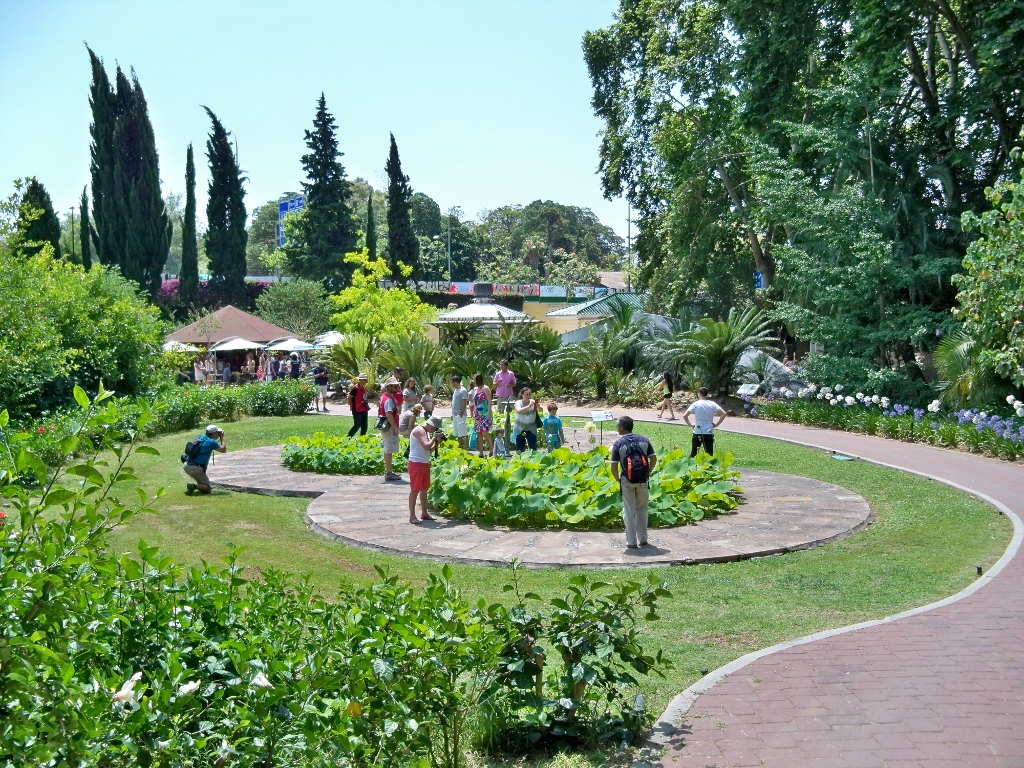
(924, 544)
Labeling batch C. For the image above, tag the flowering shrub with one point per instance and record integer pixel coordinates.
(969, 429)
(361, 455)
(563, 489)
(112, 660)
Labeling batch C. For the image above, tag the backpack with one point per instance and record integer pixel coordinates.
(382, 420)
(352, 397)
(192, 449)
(634, 465)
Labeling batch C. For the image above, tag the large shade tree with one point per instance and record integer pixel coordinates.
(829, 146)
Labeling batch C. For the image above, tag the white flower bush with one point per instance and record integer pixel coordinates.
(934, 406)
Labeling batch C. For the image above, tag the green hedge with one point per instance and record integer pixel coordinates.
(363, 455)
(563, 489)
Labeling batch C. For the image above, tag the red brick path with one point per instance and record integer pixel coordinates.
(944, 687)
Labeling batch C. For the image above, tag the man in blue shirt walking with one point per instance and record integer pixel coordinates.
(196, 464)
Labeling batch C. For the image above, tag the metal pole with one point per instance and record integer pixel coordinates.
(449, 245)
(629, 244)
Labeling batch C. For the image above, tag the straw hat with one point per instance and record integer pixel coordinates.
(392, 382)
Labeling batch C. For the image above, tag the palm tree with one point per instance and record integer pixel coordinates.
(593, 358)
(633, 328)
(963, 379)
(715, 347)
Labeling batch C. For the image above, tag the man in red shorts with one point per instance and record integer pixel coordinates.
(422, 440)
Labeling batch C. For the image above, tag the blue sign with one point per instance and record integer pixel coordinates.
(283, 209)
(758, 280)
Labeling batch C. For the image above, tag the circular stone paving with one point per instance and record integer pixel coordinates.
(780, 513)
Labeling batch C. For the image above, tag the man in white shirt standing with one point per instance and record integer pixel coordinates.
(708, 414)
(460, 399)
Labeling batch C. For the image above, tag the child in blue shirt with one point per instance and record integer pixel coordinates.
(554, 435)
(499, 451)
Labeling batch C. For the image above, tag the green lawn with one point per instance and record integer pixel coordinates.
(925, 543)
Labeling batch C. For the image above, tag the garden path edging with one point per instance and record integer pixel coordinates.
(781, 513)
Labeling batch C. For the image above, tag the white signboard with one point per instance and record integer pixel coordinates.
(748, 390)
(600, 416)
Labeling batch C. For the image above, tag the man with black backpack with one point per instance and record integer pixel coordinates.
(633, 460)
(196, 458)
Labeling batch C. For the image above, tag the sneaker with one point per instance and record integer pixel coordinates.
(190, 488)
(325, 409)
(643, 543)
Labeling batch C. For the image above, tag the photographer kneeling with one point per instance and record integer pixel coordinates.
(422, 440)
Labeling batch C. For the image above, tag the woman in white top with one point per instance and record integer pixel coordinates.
(526, 420)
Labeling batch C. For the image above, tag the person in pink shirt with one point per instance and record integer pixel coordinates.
(504, 386)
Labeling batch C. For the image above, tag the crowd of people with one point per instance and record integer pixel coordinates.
(407, 410)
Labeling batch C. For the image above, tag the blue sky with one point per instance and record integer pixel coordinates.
(489, 101)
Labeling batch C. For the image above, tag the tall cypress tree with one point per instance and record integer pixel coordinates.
(188, 280)
(371, 228)
(37, 223)
(84, 229)
(132, 229)
(327, 228)
(226, 235)
(402, 244)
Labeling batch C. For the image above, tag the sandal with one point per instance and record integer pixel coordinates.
(426, 517)
(414, 521)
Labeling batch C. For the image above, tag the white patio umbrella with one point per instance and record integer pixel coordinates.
(235, 345)
(179, 346)
(291, 345)
(328, 339)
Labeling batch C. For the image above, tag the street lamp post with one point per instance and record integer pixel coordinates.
(72, 233)
(433, 248)
(629, 244)
(449, 245)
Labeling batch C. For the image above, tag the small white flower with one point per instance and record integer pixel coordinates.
(874, 399)
(188, 688)
(850, 400)
(839, 387)
(983, 415)
(826, 391)
(1010, 399)
(934, 406)
(128, 689)
(163, 744)
(260, 681)
(821, 395)
(884, 402)
(833, 401)
(860, 395)
(1020, 410)
(812, 387)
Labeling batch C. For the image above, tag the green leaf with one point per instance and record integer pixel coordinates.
(80, 397)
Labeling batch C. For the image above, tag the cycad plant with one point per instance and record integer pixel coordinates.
(352, 355)
(511, 341)
(417, 356)
(963, 379)
(458, 336)
(593, 359)
(715, 346)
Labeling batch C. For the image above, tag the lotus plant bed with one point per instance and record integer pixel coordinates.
(995, 432)
(564, 489)
(336, 455)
